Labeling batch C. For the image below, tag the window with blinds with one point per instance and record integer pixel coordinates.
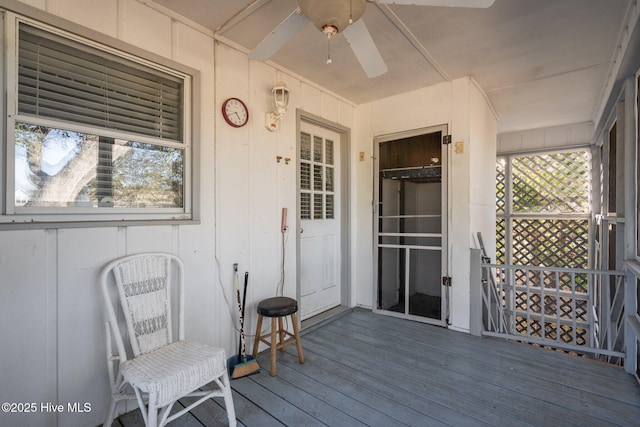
(96, 131)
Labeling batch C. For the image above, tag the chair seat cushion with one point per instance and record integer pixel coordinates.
(174, 370)
(277, 306)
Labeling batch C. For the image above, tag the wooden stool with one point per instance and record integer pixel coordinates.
(276, 308)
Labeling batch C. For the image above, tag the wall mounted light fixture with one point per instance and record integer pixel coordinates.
(280, 93)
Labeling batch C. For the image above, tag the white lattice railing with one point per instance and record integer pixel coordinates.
(571, 309)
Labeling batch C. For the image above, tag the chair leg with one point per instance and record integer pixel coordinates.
(296, 332)
(152, 416)
(142, 405)
(273, 346)
(117, 394)
(112, 407)
(164, 413)
(228, 400)
(256, 340)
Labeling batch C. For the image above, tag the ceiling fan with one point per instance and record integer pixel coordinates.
(343, 16)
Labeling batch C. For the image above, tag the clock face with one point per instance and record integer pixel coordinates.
(235, 112)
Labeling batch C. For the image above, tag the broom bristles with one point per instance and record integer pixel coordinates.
(245, 368)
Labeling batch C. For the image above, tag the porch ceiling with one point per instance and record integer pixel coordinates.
(542, 63)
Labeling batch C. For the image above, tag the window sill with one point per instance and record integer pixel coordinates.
(45, 225)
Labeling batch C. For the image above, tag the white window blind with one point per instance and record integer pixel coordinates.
(61, 79)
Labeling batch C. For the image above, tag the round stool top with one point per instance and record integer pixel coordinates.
(277, 306)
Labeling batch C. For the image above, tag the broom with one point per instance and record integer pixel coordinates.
(242, 365)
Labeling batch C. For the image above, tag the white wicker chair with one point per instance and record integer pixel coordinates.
(162, 370)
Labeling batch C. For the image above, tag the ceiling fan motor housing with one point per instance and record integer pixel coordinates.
(336, 13)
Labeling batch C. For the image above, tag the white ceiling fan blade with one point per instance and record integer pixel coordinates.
(365, 49)
(279, 37)
(449, 3)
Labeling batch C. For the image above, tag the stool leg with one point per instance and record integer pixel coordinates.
(273, 346)
(281, 333)
(256, 340)
(296, 332)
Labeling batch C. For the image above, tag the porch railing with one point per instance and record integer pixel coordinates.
(571, 309)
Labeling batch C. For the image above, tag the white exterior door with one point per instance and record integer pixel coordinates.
(320, 221)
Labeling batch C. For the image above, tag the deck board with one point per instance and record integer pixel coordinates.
(525, 378)
(390, 397)
(419, 371)
(274, 405)
(385, 410)
(530, 361)
(296, 389)
(374, 370)
(485, 384)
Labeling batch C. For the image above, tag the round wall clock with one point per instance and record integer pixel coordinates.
(235, 112)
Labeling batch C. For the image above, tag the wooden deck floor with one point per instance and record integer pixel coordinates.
(365, 369)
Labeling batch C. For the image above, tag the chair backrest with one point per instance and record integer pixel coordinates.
(144, 286)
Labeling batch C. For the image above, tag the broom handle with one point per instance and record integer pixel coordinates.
(244, 301)
(241, 343)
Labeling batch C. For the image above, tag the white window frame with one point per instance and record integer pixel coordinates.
(12, 216)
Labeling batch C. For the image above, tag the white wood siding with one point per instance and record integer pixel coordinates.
(51, 323)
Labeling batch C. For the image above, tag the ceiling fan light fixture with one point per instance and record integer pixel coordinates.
(329, 30)
(337, 13)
